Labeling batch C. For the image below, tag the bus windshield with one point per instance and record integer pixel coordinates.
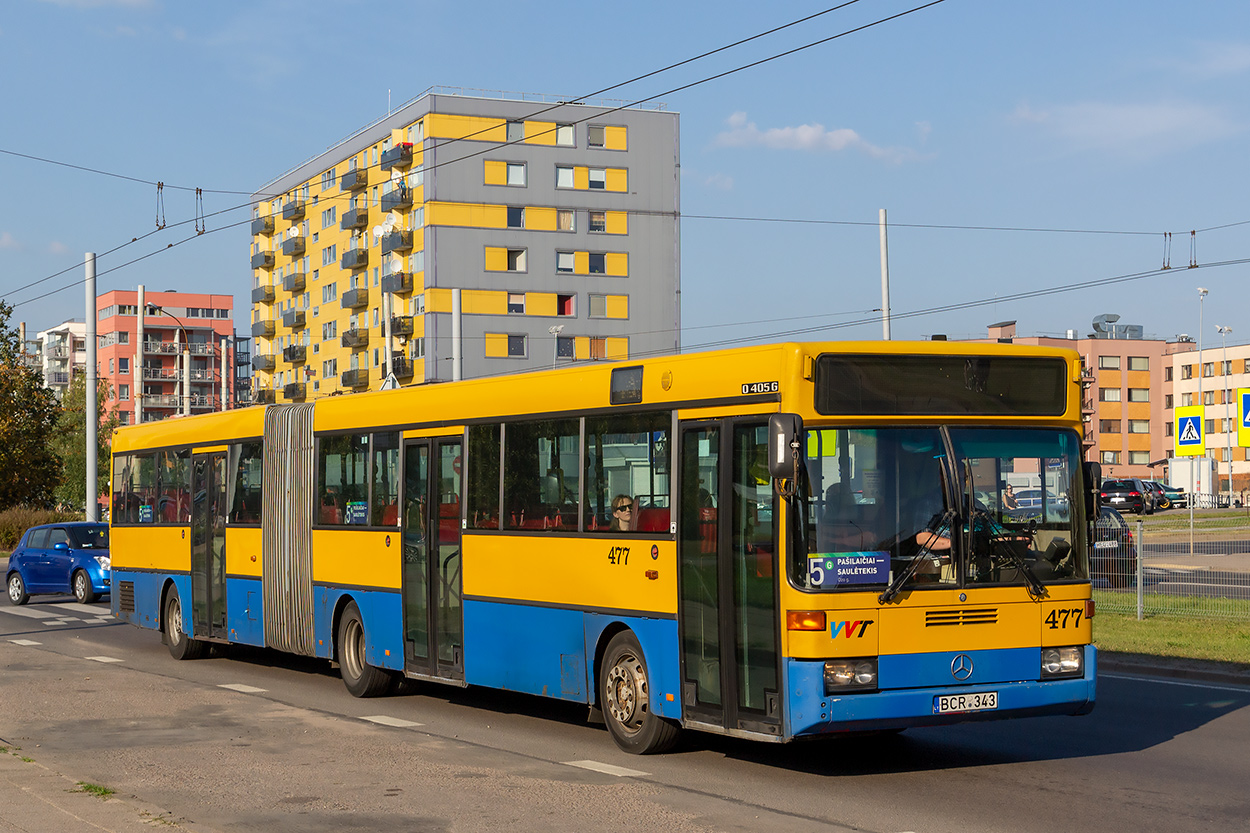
(940, 507)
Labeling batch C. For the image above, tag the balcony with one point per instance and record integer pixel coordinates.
(262, 260)
(354, 298)
(396, 241)
(355, 338)
(400, 282)
(58, 377)
(264, 362)
(162, 374)
(203, 402)
(242, 358)
(264, 396)
(354, 259)
(397, 198)
(399, 156)
(351, 180)
(354, 218)
(293, 318)
(263, 294)
(294, 246)
(161, 400)
(401, 366)
(401, 325)
(263, 225)
(293, 282)
(295, 354)
(293, 210)
(358, 378)
(264, 329)
(56, 351)
(294, 392)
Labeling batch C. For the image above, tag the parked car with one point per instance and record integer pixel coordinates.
(1128, 494)
(1113, 555)
(1166, 497)
(60, 558)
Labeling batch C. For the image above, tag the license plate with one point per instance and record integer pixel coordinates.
(1117, 500)
(979, 701)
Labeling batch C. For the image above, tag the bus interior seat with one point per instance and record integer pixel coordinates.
(653, 520)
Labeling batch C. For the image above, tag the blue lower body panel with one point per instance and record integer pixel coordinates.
(895, 706)
(147, 597)
(551, 651)
(382, 612)
(245, 613)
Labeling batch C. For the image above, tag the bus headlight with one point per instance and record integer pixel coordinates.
(843, 675)
(1063, 662)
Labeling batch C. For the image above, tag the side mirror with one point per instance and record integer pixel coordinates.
(60, 545)
(1093, 480)
(784, 430)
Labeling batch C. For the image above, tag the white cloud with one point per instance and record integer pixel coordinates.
(56, 247)
(1213, 60)
(806, 137)
(7, 241)
(1133, 129)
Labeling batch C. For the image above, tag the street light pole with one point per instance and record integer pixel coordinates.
(1202, 405)
(186, 358)
(1228, 422)
(555, 334)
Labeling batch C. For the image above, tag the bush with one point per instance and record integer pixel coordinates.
(16, 520)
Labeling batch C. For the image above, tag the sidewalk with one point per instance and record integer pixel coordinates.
(37, 800)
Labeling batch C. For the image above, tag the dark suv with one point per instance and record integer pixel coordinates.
(1128, 494)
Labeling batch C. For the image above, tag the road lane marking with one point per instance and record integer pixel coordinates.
(607, 769)
(386, 720)
(243, 689)
(30, 613)
(94, 610)
(97, 621)
(26, 642)
(104, 659)
(1166, 681)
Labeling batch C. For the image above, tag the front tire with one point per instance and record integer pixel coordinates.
(181, 646)
(83, 591)
(361, 678)
(625, 700)
(17, 590)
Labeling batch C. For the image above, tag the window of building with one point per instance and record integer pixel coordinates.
(1208, 397)
(516, 303)
(329, 292)
(1208, 427)
(1208, 370)
(327, 218)
(329, 330)
(598, 221)
(329, 255)
(1139, 426)
(1108, 394)
(565, 220)
(598, 306)
(594, 136)
(598, 348)
(597, 263)
(516, 260)
(123, 393)
(564, 261)
(564, 177)
(566, 305)
(598, 179)
(1167, 401)
(111, 367)
(123, 365)
(516, 173)
(1167, 374)
(1167, 428)
(1110, 458)
(1138, 362)
(564, 135)
(1138, 458)
(516, 346)
(1139, 394)
(1108, 362)
(516, 131)
(564, 347)
(1108, 426)
(1187, 399)
(516, 217)
(329, 368)
(1227, 368)
(1187, 371)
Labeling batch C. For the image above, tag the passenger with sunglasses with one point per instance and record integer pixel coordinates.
(622, 513)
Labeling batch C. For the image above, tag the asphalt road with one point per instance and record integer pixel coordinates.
(253, 740)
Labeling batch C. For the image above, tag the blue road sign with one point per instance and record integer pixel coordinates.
(1190, 431)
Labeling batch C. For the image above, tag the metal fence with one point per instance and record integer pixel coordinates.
(1178, 563)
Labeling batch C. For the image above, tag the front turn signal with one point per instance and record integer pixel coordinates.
(805, 620)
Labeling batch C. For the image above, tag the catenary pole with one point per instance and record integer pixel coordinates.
(92, 502)
(885, 282)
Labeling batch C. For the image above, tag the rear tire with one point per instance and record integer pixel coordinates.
(361, 678)
(17, 590)
(83, 591)
(625, 700)
(181, 645)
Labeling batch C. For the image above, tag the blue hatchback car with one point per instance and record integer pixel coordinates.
(60, 558)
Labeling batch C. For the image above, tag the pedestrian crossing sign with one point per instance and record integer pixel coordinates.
(1190, 441)
(1243, 410)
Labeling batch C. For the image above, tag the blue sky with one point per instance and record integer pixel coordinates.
(1113, 116)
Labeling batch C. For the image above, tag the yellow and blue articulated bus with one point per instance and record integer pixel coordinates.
(775, 542)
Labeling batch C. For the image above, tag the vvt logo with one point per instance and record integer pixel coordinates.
(848, 629)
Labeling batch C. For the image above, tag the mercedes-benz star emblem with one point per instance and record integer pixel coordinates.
(961, 667)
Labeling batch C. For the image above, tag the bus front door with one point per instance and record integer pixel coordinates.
(728, 602)
(433, 623)
(208, 544)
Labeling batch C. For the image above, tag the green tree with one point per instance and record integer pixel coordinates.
(70, 440)
(29, 468)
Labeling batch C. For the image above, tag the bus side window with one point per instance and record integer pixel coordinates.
(482, 488)
(540, 475)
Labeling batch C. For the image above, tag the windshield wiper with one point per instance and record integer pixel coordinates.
(998, 540)
(902, 578)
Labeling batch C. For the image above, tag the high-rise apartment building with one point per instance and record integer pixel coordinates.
(179, 329)
(61, 352)
(463, 236)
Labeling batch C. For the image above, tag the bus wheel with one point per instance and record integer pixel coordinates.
(82, 588)
(181, 645)
(361, 678)
(625, 698)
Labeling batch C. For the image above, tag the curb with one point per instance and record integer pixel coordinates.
(1180, 668)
